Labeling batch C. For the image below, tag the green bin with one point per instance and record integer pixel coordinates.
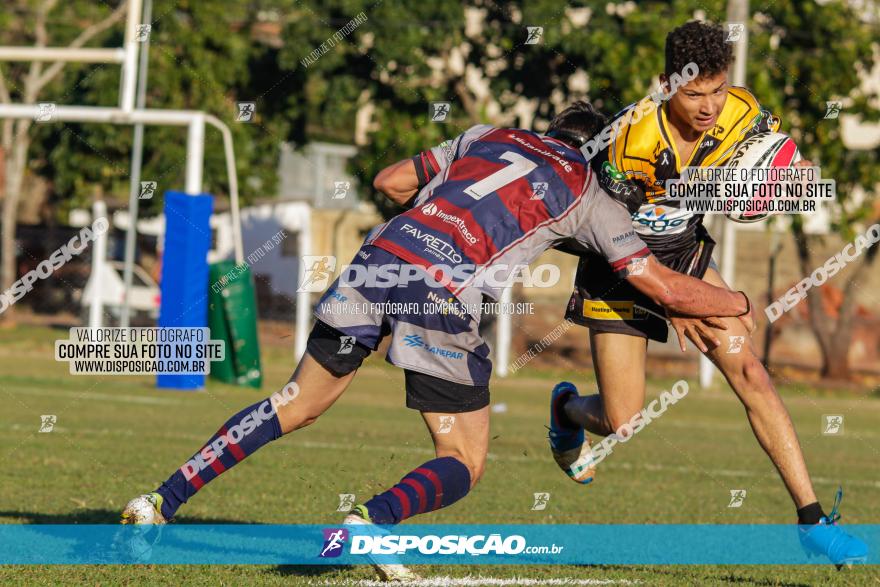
(232, 317)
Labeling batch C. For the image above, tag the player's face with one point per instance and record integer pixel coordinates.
(698, 103)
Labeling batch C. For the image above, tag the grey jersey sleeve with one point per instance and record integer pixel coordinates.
(605, 227)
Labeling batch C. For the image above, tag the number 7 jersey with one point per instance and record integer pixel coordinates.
(494, 200)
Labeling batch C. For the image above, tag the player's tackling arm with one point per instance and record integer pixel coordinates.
(402, 182)
(399, 182)
(682, 294)
(607, 228)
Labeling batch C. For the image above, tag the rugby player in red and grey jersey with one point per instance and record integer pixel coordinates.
(490, 201)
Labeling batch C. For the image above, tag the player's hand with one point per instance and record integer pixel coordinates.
(748, 320)
(804, 163)
(698, 330)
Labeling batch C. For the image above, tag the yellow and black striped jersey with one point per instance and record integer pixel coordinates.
(642, 157)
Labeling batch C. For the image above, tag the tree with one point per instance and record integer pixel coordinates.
(373, 85)
(802, 56)
(203, 56)
(25, 86)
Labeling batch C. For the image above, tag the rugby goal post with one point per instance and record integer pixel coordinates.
(127, 114)
(737, 12)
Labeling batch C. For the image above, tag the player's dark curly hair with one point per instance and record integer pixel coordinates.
(577, 124)
(700, 42)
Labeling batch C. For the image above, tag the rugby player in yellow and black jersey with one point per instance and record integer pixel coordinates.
(699, 125)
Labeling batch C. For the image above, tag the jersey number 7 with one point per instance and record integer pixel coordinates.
(519, 167)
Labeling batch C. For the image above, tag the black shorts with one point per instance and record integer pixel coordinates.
(604, 302)
(340, 355)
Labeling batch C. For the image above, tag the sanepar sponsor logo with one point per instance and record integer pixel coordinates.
(416, 341)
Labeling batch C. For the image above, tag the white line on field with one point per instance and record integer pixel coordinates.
(110, 397)
(336, 446)
(627, 466)
(481, 580)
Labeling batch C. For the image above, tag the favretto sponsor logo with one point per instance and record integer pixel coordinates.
(434, 245)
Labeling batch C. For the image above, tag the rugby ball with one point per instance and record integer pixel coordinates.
(765, 150)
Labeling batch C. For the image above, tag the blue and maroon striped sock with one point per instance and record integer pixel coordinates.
(434, 485)
(238, 438)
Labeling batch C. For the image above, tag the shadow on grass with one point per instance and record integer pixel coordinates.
(676, 570)
(105, 516)
(308, 570)
(96, 516)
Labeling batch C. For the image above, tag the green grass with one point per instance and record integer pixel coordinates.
(118, 436)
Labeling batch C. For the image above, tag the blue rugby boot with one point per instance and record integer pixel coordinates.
(570, 445)
(828, 538)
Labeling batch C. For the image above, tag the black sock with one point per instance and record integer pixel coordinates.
(571, 407)
(810, 514)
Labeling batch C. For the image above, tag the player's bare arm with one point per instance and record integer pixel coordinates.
(399, 182)
(686, 295)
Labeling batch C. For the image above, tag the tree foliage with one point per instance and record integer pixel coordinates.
(375, 84)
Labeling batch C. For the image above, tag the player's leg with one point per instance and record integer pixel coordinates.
(619, 363)
(620, 326)
(447, 369)
(333, 355)
(310, 392)
(465, 438)
(772, 426)
(767, 414)
(461, 442)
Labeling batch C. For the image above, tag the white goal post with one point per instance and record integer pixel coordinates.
(126, 114)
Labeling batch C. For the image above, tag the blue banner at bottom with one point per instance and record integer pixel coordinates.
(414, 544)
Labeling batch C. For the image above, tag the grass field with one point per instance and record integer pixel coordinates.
(116, 437)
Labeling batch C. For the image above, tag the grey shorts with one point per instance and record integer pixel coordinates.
(432, 332)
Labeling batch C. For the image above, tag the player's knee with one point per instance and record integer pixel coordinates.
(295, 419)
(753, 370)
(749, 375)
(475, 462)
